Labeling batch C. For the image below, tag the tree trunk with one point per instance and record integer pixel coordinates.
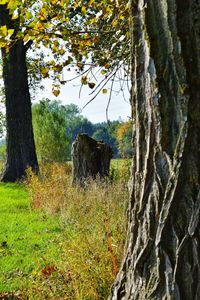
(90, 159)
(21, 152)
(162, 257)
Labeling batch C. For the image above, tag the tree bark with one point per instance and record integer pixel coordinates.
(90, 159)
(162, 256)
(21, 152)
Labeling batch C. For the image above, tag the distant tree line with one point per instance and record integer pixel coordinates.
(56, 127)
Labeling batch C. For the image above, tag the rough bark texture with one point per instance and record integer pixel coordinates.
(20, 141)
(162, 257)
(90, 159)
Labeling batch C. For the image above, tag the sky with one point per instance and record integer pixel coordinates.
(119, 107)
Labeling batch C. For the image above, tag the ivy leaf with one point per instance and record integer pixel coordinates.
(56, 92)
(62, 51)
(15, 16)
(45, 72)
(83, 10)
(115, 23)
(54, 2)
(87, 42)
(56, 89)
(103, 72)
(104, 91)
(3, 44)
(84, 80)
(91, 85)
(13, 4)
(4, 30)
(3, 2)
(10, 32)
(29, 15)
(107, 66)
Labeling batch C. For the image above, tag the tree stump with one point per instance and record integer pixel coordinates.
(90, 159)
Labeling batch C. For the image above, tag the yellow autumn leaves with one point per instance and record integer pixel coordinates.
(5, 35)
(81, 28)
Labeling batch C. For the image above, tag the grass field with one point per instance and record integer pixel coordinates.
(28, 239)
(59, 242)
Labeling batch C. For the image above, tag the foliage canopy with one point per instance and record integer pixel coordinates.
(80, 34)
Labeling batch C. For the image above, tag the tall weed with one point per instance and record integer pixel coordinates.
(120, 170)
(95, 222)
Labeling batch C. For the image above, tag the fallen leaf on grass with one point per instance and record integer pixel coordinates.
(48, 270)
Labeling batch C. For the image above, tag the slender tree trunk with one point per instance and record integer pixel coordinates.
(20, 141)
(162, 257)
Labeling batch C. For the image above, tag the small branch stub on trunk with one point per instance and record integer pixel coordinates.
(90, 159)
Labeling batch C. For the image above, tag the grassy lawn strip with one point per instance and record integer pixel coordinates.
(56, 239)
(29, 240)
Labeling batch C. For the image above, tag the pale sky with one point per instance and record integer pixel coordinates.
(96, 110)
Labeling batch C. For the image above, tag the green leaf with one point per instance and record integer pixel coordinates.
(83, 10)
(10, 31)
(29, 15)
(4, 30)
(3, 44)
(3, 2)
(13, 4)
(104, 91)
(103, 72)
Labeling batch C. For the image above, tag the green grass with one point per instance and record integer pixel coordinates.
(28, 239)
(120, 169)
(53, 237)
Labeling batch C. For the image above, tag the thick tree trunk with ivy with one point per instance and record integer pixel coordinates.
(21, 152)
(162, 257)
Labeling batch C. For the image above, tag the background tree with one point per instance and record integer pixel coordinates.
(107, 131)
(51, 135)
(162, 259)
(76, 123)
(124, 138)
(20, 142)
(56, 127)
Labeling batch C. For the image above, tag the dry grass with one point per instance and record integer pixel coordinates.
(94, 219)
